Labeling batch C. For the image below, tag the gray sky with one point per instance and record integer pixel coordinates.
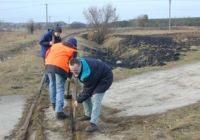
(72, 10)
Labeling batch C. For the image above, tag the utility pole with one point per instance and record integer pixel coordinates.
(169, 14)
(49, 19)
(46, 14)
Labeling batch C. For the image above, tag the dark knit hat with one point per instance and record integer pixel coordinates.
(71, 41)
(58, 29)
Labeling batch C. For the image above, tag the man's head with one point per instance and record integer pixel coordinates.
(75, 66)
(57, 31)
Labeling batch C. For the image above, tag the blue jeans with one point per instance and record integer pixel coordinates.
(56, 90)
(92, 107)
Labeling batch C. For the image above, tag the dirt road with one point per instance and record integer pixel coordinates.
(131, 106)
(135, 109)
(155, 92)
(151, 93)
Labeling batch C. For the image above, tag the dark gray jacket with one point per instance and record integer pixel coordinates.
(96, 77)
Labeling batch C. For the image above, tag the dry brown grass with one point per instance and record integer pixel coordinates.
(18, 73)
(21, 74)
(9, 40)
(132, 31)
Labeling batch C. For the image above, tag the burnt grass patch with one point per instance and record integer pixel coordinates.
(135, 51)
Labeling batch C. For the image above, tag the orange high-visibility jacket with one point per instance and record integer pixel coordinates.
(58, 57)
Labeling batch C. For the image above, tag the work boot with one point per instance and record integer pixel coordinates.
(91, 128)
(61, 115)
(54, 106)
(84, 118)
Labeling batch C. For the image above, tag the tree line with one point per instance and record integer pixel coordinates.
(100, 20)
(144, 21)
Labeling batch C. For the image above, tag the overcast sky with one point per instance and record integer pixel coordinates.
(72, 10)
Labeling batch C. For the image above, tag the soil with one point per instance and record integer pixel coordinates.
(146, 106)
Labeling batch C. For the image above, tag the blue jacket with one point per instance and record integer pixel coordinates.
(44, 42)
(96, 77)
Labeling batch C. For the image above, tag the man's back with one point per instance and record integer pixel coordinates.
(46, 39)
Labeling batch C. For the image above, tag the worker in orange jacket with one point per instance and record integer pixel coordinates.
(57, 69)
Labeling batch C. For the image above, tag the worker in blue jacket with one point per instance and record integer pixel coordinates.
(96, 77)
(49, 38)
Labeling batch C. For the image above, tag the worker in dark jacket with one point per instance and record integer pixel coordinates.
(49, 38)
(96, 77)
(57, 68)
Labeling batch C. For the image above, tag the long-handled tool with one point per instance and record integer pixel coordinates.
(76, 131)
(74, 107)
(68, 96)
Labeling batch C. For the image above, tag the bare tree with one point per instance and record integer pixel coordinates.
(142, 20)
(100, 20)
(30, 26)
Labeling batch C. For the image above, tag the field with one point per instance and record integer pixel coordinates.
(22, 69)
